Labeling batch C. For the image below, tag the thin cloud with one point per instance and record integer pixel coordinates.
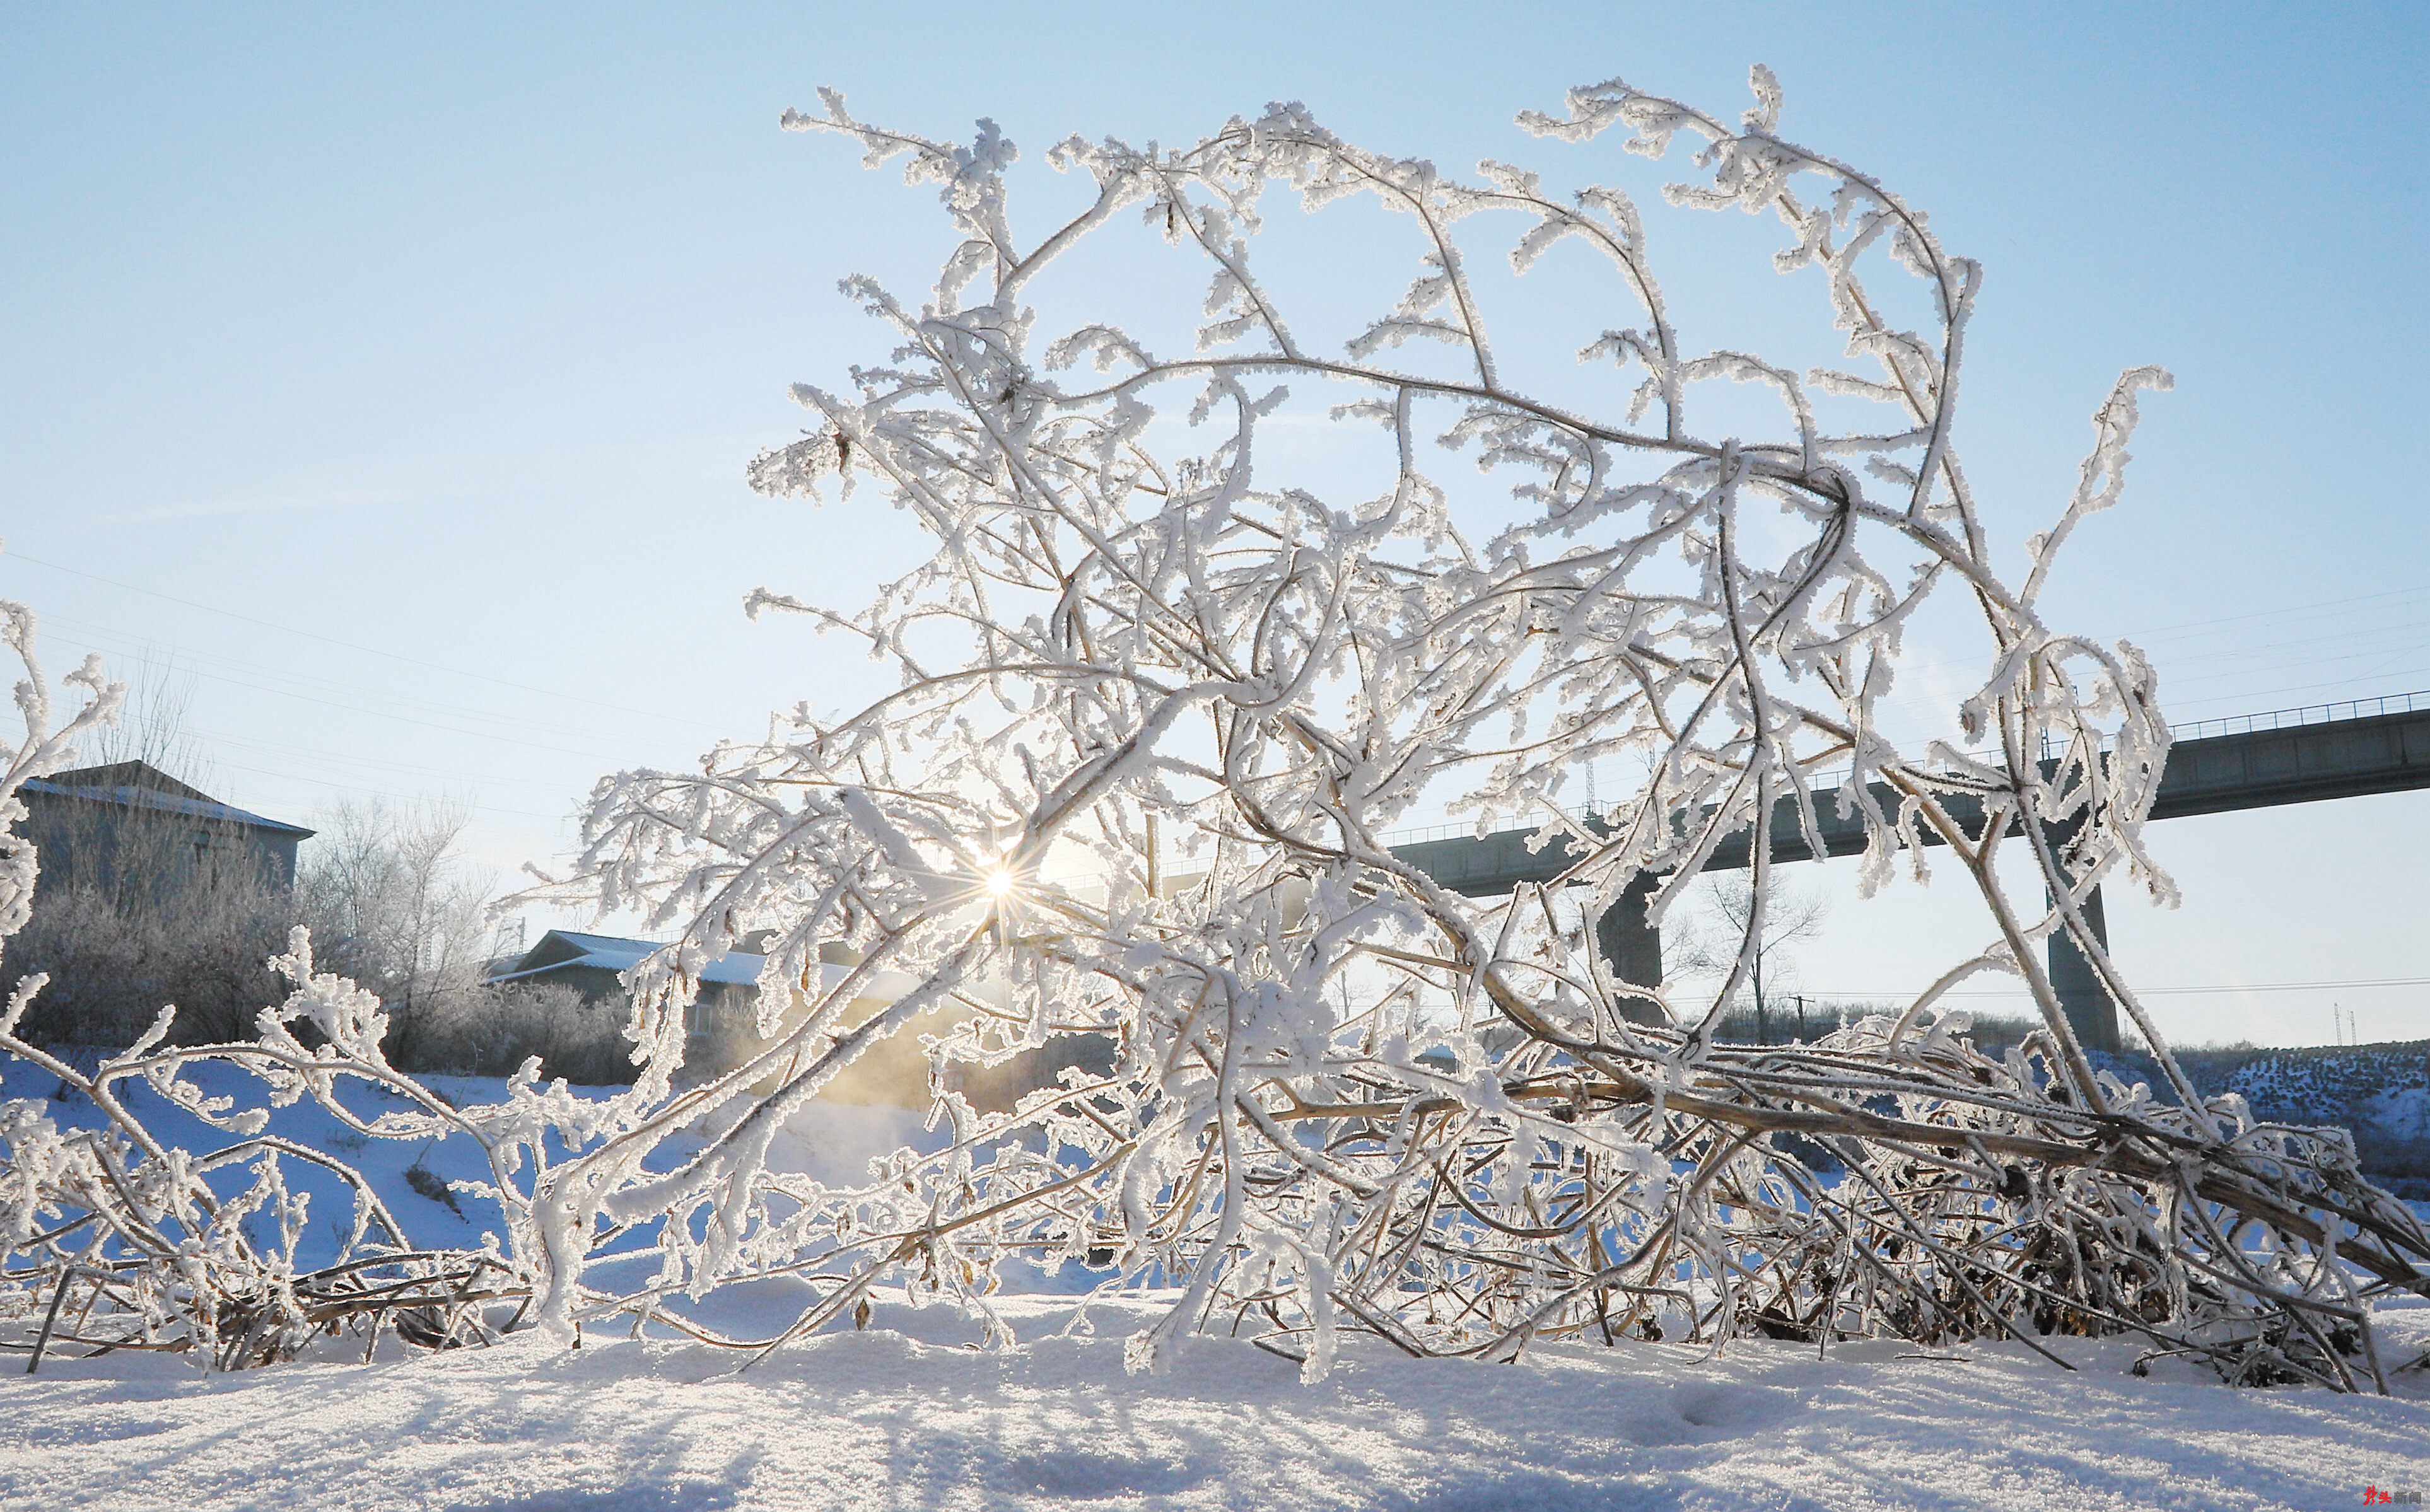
(318, 499)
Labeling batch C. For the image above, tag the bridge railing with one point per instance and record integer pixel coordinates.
(2287, 719)
(1466, 829)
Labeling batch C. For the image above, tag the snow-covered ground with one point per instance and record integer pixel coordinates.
(908, 1415)
(912, 1414)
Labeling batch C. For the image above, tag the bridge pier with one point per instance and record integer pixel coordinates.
(1632, 943)
(2288, 756)
(2081, 997)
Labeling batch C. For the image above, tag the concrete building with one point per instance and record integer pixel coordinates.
(137, 835)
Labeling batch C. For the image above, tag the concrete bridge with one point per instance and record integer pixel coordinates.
(2252, 761)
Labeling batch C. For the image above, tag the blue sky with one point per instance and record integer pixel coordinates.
(390, 373)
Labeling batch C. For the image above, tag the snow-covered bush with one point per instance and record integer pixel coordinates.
(1157, 713)
(112, 961)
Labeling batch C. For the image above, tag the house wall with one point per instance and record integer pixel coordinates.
(144, 855)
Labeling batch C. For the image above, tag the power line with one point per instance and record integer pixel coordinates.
(2172, 991)
(380, 792)
(2281, 612)
(287, 750)
(108, 639)
(348, 646)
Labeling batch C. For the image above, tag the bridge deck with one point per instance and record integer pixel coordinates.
(2256, 768)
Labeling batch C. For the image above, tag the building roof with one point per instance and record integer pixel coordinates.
(562, 948)
(137, 785)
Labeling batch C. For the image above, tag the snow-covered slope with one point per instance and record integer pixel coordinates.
(834, 1141)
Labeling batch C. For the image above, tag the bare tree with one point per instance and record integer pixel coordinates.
(393, 906)
(1157, 716)
(1787, 916)
(153, 725)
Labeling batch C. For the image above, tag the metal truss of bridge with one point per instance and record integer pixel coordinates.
(2253, 761)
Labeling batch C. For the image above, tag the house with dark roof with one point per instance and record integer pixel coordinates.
(133, 832)
(722, 1028)
(594, 966)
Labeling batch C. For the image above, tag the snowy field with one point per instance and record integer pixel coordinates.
(909, 1414)
(912, 1414)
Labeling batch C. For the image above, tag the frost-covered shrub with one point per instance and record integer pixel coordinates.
(492, 1030)
(1160, 706)
(113, 961)
(1159, 710)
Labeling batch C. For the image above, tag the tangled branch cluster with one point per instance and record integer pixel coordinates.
(1156, 720)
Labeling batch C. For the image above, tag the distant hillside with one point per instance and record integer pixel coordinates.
(2381, 1092)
